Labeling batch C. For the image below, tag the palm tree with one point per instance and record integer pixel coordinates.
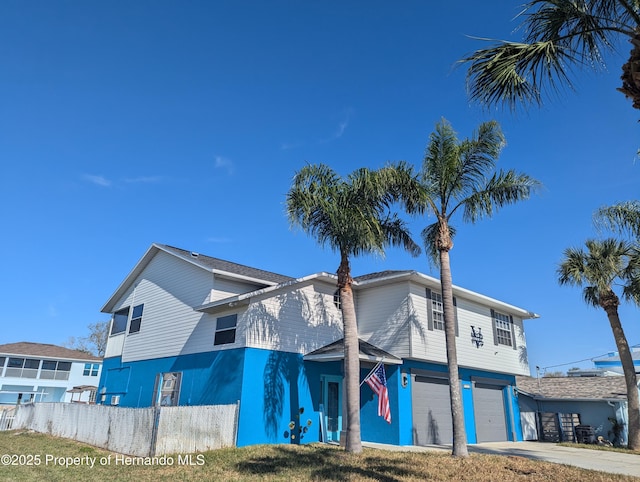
(559, 35)
(353, 216)
(604, 263)
(454, 175)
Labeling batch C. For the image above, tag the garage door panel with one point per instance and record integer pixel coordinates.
(431, 411)
(490, 414)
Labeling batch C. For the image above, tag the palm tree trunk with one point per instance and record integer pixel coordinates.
(353, 442)
(457, 410)
(633, 404)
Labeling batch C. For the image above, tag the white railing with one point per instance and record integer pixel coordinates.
(6, 419)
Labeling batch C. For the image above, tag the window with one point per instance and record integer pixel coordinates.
(55, 370)
(22, 367)
(435, 311)
(225, 330)
(119, 323)
(337, 301)
(502, 329)
(167, 392)
(438, 313)
(90, 369)
(136, 319)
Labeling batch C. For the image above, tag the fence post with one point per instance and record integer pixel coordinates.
(154, 431)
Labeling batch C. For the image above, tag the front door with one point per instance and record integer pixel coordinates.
(332, 400)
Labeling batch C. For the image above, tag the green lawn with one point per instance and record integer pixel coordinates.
(41, 457)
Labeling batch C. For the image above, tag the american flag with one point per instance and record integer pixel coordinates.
(378, 383)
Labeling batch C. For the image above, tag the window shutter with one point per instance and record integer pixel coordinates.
(493, 324)
(455, 314)
(513, 333)
(429, 311)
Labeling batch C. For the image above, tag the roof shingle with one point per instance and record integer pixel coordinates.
(574, 388)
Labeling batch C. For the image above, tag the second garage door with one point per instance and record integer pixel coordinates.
(431, 411)
(491, 421)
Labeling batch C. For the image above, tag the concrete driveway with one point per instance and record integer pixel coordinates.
(612, 462)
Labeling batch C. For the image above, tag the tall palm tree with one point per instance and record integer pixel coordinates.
(455, 175)
(353, 216)
(604, 263)
(558, 36)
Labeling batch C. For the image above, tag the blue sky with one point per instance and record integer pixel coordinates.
(128, 123)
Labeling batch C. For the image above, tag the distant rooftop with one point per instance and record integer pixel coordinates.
(573, 388)
(44, 350)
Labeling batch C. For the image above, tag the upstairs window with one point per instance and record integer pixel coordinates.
(55, 370)
(90, 370)
(136, 319)
(503, 333)
(226, 330)
(22, 367)
(437, 311)
(119, 323)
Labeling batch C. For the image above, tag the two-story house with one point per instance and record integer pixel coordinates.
(189, 329)
(47, 373)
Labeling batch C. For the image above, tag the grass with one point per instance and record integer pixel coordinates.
(274, 463)
(605, 448)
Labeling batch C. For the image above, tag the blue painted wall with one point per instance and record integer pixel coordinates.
(282, 394)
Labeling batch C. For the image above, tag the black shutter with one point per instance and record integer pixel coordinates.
(493, 324)
(429, 311)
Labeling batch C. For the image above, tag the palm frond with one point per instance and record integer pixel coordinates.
(501, 189)
(623, 218)
(510, 73)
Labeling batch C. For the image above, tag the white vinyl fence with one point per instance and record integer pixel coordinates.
(140, 432)
(6, 419)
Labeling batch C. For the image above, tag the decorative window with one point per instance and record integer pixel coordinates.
(22, 367)
(226, 330)
(136, 319)
(119, 323)
(55, 370)
(167, 392)
(437, 311)
(503, 332)
(90, 369)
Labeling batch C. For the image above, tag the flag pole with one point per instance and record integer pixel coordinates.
(372, 370)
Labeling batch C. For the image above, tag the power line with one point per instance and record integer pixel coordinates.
(583, 360)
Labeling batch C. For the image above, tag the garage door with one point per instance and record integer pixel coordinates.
(431, 411)
(491, 420)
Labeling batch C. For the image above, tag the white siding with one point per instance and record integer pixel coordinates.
(226, 288)
(169, 289)
(430, 345)
(386, 315)
(296, 320)
(425, 344)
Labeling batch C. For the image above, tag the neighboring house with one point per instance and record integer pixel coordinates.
(46, 373)
(188, 329)
(611, 361)
(546, 402)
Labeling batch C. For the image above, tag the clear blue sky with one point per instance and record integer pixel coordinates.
(125, 123)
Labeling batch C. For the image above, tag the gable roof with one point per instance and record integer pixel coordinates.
(213, 265)
(25, 348)
(368, 352)
(573, 388)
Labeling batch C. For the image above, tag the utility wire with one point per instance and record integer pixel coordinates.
(544, 369)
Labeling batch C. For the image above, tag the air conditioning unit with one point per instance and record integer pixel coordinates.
(115, 400)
